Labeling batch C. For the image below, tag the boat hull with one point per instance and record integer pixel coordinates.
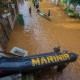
(11, 65)
(44, 15)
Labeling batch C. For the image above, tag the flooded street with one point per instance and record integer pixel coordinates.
(39, 35)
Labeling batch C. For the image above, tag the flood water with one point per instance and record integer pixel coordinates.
(39, 35)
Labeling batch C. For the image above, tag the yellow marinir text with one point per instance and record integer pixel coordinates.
(49, 59)
(43, 60)
(59, 58)
(66, 56)
(36, 61)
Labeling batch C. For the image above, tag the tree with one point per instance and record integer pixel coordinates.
(75, 3)
(58, 2)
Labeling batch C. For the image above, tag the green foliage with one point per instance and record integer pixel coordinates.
(68, 9)
(64, 1)
(71, 2)
(71, 14)
(20, 19)
(75, 2)
(33, 1)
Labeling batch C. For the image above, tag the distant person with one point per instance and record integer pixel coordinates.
(34, 4)
(48, 12)
(37, 5)
(30, 10)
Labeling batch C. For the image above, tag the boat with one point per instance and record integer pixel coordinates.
(13, 65)
(44, 15)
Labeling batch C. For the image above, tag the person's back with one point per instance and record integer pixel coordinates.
(30, 10)
(48, 12)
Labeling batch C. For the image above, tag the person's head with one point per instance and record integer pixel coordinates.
(57, 49)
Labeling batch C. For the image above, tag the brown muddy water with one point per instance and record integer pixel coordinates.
(39, 35)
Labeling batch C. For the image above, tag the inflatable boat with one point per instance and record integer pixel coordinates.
(13, 65)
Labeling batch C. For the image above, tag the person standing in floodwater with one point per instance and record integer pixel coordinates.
(48, 12)
(34, 4)
(30, 10)
(37, 5)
